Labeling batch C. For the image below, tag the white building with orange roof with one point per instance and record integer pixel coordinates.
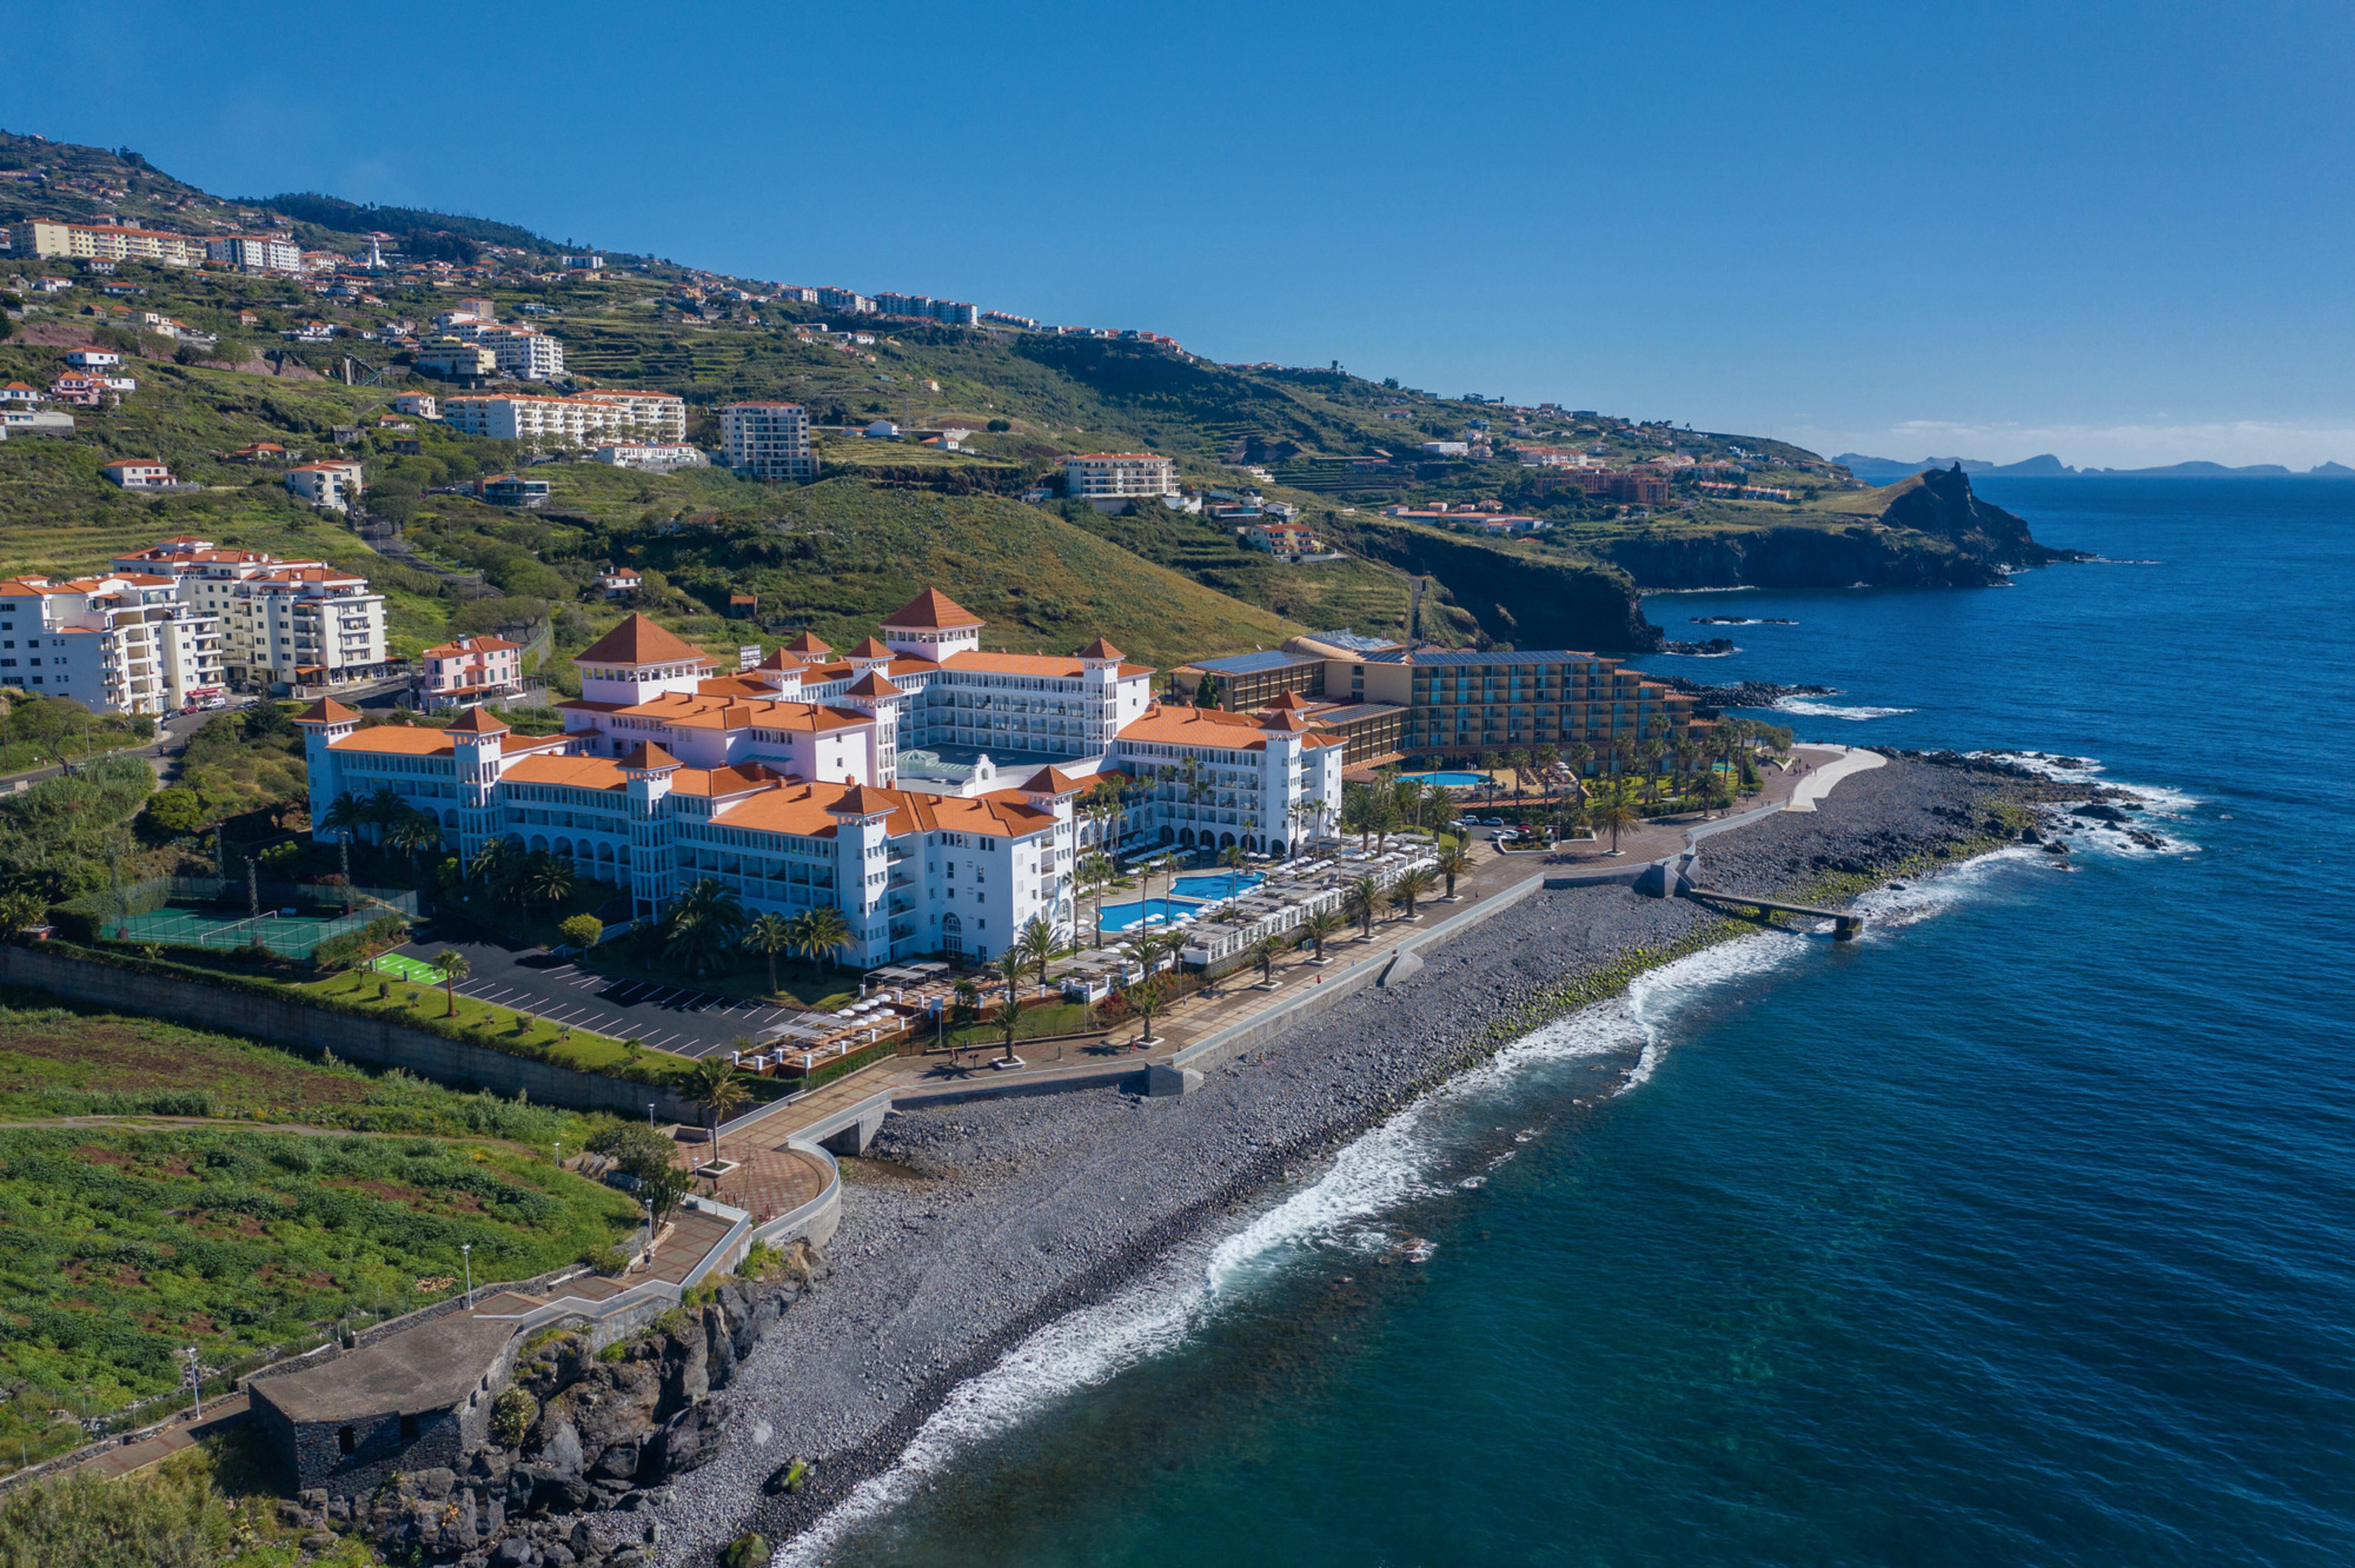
(466, 670)
(1104, 476)
(122, 641)
(334, 484)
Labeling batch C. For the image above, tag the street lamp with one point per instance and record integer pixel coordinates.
(196, 1381)
(466, 1250)
(650, 1113)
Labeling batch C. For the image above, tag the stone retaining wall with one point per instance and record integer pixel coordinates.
(284, 1021)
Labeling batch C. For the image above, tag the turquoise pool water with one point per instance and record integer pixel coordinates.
(1216, 885)
(1121, 916)
(1450, 781)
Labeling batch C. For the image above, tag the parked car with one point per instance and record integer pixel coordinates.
(1495, 822)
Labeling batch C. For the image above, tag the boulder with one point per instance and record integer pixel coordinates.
(512, 1552)
(692, 1438)
(747, 1551)
(619, 1462)
(562, 1450)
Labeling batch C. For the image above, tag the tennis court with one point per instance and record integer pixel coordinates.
(289, 935)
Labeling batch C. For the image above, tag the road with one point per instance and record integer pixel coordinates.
(171, 738)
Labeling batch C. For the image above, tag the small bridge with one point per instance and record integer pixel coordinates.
(1845, 926)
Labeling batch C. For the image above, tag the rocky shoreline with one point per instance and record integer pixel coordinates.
(971, 1226)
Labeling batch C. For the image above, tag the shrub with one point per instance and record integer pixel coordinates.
(633, 1145)
(581, 930)
(512, 1414)
(176, 811)
(607, 1260)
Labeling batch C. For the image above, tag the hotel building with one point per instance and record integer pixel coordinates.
(120, 643)
(922, 785)
(295, 623)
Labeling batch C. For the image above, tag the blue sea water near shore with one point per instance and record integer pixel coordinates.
(2021, 1230)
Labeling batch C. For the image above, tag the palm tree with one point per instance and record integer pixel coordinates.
(704, 924)
(714, 1085)
(1518, 759)
(1548, 761)
(1614, 812)
(1265, 951)
(1095, 870)
(1384, 808)
(1581, 757)
(1362, 901)
(825, 933)
(1231, 857)
(1489, 763)
(384, 808)
(345, 815)
(1320, 926)
(494, 860)
(1411, 886)
(1357, 813)
(454, 967)
(547, 878)
(1009, 1020)
(769, 935)
(412, 833)
(1034, 944)
(1145, 999)
(1454, 860)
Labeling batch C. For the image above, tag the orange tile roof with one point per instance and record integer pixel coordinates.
(326, 710)
(639, 640)
(1100, 649)
(399, 740)
(873, 685)
(1208, 727)
(717, 781)
(872, 648)
(646, 758)
(1050, 780)
(931, 610)
(699, 711)
(479, 720)
(574, 772)
(807, 642)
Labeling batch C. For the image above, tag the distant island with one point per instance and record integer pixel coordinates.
(1884, 471)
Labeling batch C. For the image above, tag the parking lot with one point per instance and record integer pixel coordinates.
(661, 1017)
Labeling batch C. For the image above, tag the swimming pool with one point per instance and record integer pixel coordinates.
(1447, 780)
(1121, 916)
(1216, 884)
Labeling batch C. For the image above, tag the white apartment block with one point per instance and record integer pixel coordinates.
(652, 457)
(768, 440)
(122, 641)
(281, 622)
(418, 405)
(334, 485)
(524, 354)
(1103, 475)
(858, 781)
(106, 242)
(849, 301)
(256, 253)
(583, 419)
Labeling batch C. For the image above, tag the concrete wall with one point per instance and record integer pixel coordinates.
(361, 1040)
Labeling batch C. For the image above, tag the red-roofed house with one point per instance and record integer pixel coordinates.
(467, 670)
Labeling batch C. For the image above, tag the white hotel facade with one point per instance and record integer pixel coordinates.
(864, 781)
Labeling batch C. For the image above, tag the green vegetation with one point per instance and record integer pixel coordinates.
(123, 1246)
(39, 732)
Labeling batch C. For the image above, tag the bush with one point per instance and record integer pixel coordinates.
(581, 930)
(512, 1414)
(633, 1145)
(175, 811)
(609, 1261)
(353, 948)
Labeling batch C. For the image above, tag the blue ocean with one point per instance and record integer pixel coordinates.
(2020, 1232)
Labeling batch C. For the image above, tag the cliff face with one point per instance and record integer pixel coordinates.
(1530, 603)
(1931, 532)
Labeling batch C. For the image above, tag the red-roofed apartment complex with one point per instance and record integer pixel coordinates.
(122, 641)
(919, 784)
(296, 624)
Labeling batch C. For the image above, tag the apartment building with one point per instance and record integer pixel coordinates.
(255, 253)
(467, 670)
(333, 484)
(523, 353)
(1108, 475)
(768, 440)
(849, 301)
(652, 457)
(454, 360)
(138, 474)
(282, 622)
(956, 312)
(582, 420)
(106, 242)
(122, 641)
(418, 405)
(1466, 703)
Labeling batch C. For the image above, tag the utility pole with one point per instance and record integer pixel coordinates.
(196, 1381)
(466, 1250)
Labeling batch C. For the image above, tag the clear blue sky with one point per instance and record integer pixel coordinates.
(2120, 232)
